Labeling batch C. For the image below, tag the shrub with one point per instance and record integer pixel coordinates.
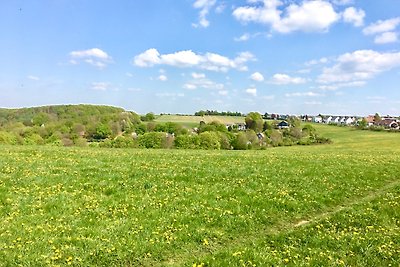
(240, 142)
(187, 141)
(8, 138)
(152, 140)
(209, 140)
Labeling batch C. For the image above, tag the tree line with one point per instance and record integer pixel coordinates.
(102, 126)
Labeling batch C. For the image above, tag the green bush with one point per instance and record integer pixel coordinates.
(240, 142)
(209, 140)
(8, 138)
(187, 141)
(154, 140)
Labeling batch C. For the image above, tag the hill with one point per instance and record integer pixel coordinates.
(63, 124)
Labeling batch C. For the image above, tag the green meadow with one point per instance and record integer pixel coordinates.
(193, 121)
(320, 205)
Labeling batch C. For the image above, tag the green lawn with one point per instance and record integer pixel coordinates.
(325, 205)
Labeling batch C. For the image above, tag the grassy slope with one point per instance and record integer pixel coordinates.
(195, 120)
(314, 205)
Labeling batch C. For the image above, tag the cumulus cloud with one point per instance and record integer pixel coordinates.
(282, 79)
(359, 66)
(386, 37)
(205, 7)
(258, 77)
(162, 78)
(95, 57)
(251, 91)
(187, 58)
(382, 26)
(354, 16)
(309, 16)
(244, 37)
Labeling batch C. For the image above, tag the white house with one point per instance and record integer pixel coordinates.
(317, 119)
(350, 120)
(328, 120)
(336, 120)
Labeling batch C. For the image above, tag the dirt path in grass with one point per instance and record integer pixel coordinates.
(284, 227)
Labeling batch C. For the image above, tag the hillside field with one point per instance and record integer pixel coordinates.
(321, 205)
(194, 121)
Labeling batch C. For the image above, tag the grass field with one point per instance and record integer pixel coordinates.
(194, 121)
(327, 205)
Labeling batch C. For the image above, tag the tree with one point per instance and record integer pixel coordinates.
(363, 123)
(254, 121)
(377, 117)
(148, 117)
(102, 131)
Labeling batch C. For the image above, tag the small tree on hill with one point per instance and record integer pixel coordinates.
(254, 121)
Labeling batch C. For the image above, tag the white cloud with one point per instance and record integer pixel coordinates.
(386, 37)
(187, 58)
(265, 14)
(354, 16)
(189, 86)
(100, 86)
(94, 56)
(317, 61)
(358, 66)
(244, 37)
(252, 91)
(181, 59)
(336, 86)
(204, 6)
(286, 79)
(382, 26)
(300, 94)
(198, 75)
(220, 8)
(203, 83)
(162, 78)
(343, 2)
(258, 77)
(149, 58)
(309, 16)
(33, 78)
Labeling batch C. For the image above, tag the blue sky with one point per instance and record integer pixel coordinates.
(337, 57)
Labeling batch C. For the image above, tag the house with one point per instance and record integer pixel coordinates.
(317, 119)
(328, 119)
(335, 120)
(241, 126)
(370, 120)
(283, 125)
(349, 120)
(389, 124)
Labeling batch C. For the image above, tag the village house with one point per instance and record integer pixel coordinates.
(388, 123)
